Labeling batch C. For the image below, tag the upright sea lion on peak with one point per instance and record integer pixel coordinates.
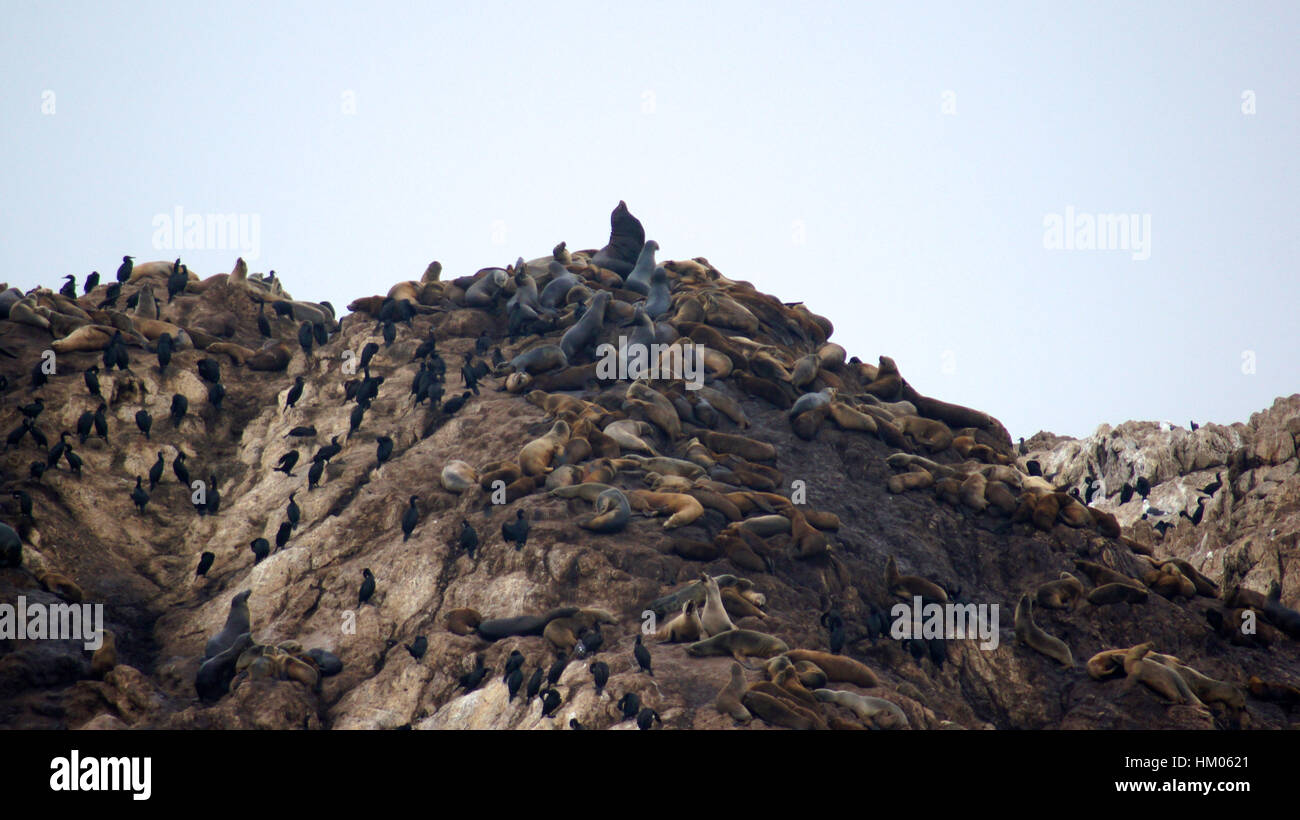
(626, 238)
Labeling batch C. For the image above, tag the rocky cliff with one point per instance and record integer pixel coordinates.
(792, 478)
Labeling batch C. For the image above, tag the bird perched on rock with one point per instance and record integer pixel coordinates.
(600, 674)
(419, 647)
(205, 563)
(471, 679)
(468, 538)
(516, 531)
(138, 496)
(367, 586)
(261, 548)
(551, 701)
(410, 518)
(642, 655)
(647, 718)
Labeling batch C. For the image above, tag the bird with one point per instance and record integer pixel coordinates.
(557, 669)
(471, 679)
(314, 474)
(302, 431)
(34, 409)
(418, 647)
(1125, 493)
(642, 655)
(1213, 487)
(176, 280)
(1162, 527)
(16, 435)
(180, 406)
(56, 452)
(36, 470)
(513, 681)
(575, 725)
(1195, 426)
(358, 415)
(468, 538)
(599, 673)
(282, 535)
(367, 586)
(293, 512)
(263, 325)
(304, 337)
(368, 352)
(550, 702)
(1195, 517)
(213, 496)
(1090, 489)
(39, 376)
(91, 377)
(646, 718)
(328, 451)
(74, 460)
(138, 496)
(590, 641)
(470, 376)
(287, 462)
(389, 333)
(216, 394)
(144, 421)
(383, 450)
(516, 531)
(164, 350)
(84, 423)
(205, 563)
(834, 623)
(1034, 468)
(24, 502)
(124, 271)
(156, 471)
(294, 394)
(261, 548)
(410, 518)
(182, 472)
(1142, 486)
(534, 684)
(111, 294)
(92, 282)
(629, 705)
(209, 370)
(320, 334)
(482, 343)
(101, 421)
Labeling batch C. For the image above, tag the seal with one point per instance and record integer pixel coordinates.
(638, 280)
(1061, 593)
(580, 336)
(612, 512)
(1156, 676)
(1117, 592)
(237, 623)
(684, 509)
(483, 293)
(626, 238)
(538, 360)
(498, 628)
(1030, 634)
(216, 673)
(463, 621)
(739, 644)
(877, 713)
(728, 701)
(777, 712)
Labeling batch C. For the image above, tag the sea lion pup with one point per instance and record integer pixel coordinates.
(1114, 593)
(1157, 677)
(497, 628)
(1061, 593)
(878, 713)
(216, 673)
(1030, 634)
(458, 476)
(463, 621)
(685, 628)
(746, 448)
(237, 623)
(738, 606)
(714, 616)
(728, 701)
(485, 289)
(909, 586)
(105, 657)
(739, 644)
(612, 512)
(536, 456)
(838, 668)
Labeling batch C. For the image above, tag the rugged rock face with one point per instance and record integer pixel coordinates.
(827, 551)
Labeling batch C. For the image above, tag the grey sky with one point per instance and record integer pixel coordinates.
(807, 148)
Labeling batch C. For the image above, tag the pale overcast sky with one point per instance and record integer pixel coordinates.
(906, 169)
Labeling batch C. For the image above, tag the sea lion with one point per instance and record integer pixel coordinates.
(458, 476)
(683, 509)
(59, 585)
(714, 615)
(1061, 593)
(626, 239)
(84, 338)
(274, 357)
(738, 606)
(536, 456)
(746, 448)
(1115, 592)
(685, 628)
(237, 353)
(216, 673)
(498, 628)
(538, 360)
(105, 657)
(237, 623)
(638, 279)
(580, 336)
(612, 512)
(483, 292)
(1280, 615)
(1030, 634)
(838, 668)
(1157, 677)
(728, 701)
(463, 621)
(724, 404)
(876, 712)
(777, 712)
(909, 586)
(1101, 575)
(739, 644)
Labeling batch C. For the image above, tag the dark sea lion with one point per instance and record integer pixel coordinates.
(626, 238)
(498, 628)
